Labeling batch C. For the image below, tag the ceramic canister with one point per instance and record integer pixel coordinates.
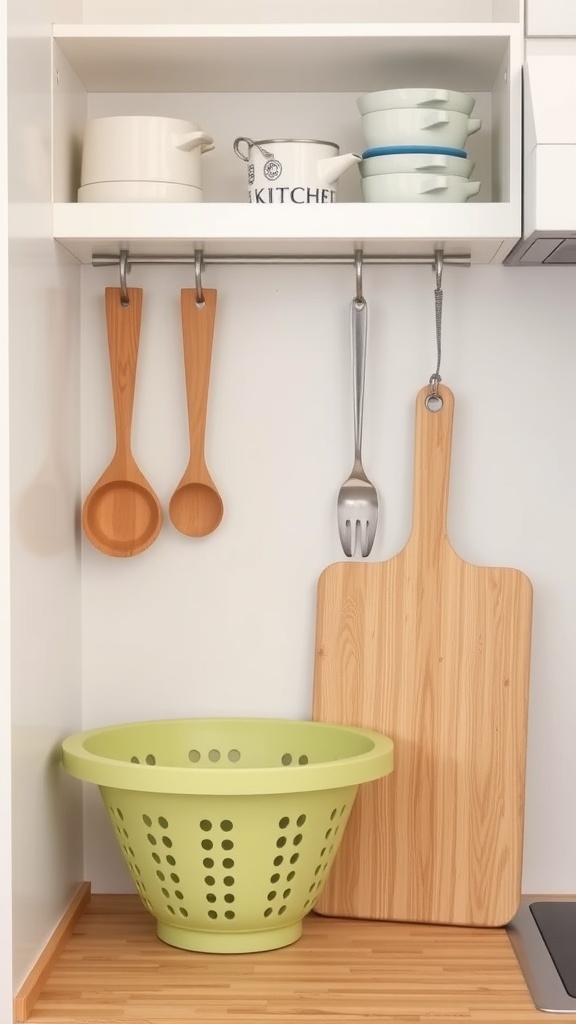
(299, 171)
(142, 148)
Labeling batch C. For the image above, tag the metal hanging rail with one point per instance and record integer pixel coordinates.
(114, 259)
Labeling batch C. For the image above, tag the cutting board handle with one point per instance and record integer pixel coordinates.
(432, 448)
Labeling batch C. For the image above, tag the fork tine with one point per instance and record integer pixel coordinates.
(345, 531)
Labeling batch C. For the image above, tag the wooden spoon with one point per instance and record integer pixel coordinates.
(122, 515)
(196, 507)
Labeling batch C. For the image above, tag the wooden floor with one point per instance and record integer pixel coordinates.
(114, 969)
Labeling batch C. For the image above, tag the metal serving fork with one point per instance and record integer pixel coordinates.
(357, 506)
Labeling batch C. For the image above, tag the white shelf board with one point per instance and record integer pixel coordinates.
(487, 231)
(285, 58)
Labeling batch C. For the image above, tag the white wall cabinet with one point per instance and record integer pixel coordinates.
(272, 80)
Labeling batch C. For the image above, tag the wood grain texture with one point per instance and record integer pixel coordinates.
(122, 514)
(196, 507)
(32, 986)
(434, 652)
(114, 969)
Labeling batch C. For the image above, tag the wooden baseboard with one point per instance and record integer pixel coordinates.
(34, 983)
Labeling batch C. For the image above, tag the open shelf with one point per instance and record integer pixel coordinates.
(239, 228)
(227, 76)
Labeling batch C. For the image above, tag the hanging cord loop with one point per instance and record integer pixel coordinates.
(433, 399)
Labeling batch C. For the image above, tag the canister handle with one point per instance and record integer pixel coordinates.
(250, 143)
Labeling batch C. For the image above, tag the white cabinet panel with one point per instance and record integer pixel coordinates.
(550, 18)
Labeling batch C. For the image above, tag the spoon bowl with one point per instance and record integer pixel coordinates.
(122, 515)
(196, 507)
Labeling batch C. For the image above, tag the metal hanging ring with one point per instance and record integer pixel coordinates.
(198, 277)
(358, 269)
(124, 271)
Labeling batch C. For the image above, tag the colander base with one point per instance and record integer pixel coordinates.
(240, 942)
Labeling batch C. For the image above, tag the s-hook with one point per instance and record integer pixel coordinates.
(124, 267)
(433, 398)
(198, 261)
(358, 269)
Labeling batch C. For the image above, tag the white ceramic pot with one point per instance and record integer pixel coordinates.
(424, 163)
(165, 149)
(416, 127)
(299, 171)
(138, 192)
(418, 188)
(394, 99)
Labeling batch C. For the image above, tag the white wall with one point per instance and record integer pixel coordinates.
(225, 625)
(5, 766)
(44, 471)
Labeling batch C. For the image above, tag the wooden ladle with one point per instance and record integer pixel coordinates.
(196, 507)
(122, 515)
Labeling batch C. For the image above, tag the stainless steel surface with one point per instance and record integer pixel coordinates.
(112, 259)
(357, 506)
(540, 974)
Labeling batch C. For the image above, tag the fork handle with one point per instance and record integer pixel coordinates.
(359, 332)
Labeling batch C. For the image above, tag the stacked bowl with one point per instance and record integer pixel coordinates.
(415, 140)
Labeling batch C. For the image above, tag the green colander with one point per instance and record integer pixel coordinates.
(228, 826)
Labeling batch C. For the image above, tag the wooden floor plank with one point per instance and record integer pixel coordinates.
(114, 970)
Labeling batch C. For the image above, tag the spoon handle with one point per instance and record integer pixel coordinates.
(198, 336)
(123, 325)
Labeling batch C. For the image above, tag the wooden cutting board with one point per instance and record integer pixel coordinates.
(434, 652)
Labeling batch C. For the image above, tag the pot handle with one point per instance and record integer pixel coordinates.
(435, 183)
(474, 125)
(432, 118)
(472, 188)
(433, 96)
(191, 140)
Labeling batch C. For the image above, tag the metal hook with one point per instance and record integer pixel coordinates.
(198, 277)
(438, 266)
(124, 271)
(358, 268)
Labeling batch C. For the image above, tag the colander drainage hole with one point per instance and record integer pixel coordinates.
(179, 895)
(210, 880)
(205, 825)
(227, 862)
(206, 844)
(183, 911)
(278, 861)
(229, 897)
(213, 915)
(161, 876)
(228, 880)
(334, 813)
(214, 755)
(147, 820)
(167, 841)
(175, 877)
(286, 894)
(294, 858)
(171, 909)
(303, 759)
(165, 893)
(290, 876)
(156, 857)
(297, 839)
(268, 911)
(234, 755)
(301, 820)
(171, 860)
(226, 825)
(134, 759)
(286, 759)
(284, 822)
(229, 914)
(194, 756)
(272, 895)
(211, 897)
(208, 862)
(281, 842)
(275, 877)
(151, 839)
(227, 844)
(162, 822)
(282, 909)
(119, 813)
(150, 759)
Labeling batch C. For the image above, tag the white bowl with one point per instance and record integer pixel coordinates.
(138, 192)
(418, 188)
(412, 126)
(394, 99)
(431, 163)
